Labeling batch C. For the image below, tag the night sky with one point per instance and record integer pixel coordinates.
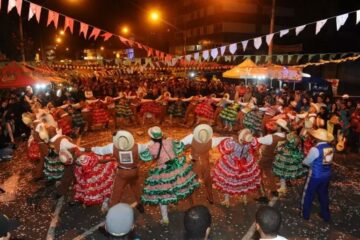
(112, 14)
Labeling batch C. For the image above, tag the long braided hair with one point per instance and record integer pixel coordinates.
(159, 140)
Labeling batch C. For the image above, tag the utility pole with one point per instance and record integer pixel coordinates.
(272, 24)
(22, 43)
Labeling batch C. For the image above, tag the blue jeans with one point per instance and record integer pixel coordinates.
(321, 187)
(5, 152)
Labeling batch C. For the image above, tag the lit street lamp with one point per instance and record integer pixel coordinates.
(154, 16)
(58, 40)
(125, 30)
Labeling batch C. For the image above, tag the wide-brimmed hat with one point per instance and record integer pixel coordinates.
(249, 107)
(155, 132)
(167, 94)
(226, 96)
(199, 130)
(248, 137)
(316, 106)
(321, 134)
(282, 123)
(43, 133)
(119, 220)
(27, 118)
(66, 157)
(123, 140)
(7, 225)
(242, 133)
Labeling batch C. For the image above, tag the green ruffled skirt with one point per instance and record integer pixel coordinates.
(53, 168)
(229, 114)
(123, 110)
(288, 164)
(170, 183)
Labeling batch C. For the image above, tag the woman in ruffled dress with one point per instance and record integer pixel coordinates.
(172, 179)
(237, 171)
(229, 116)
(205, 111)
(176, 109)
(288, 161)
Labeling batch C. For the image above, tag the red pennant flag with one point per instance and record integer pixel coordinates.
(162, 55)
(69, 23)
(139, 45)
(0, 4)
(34, 9)
(124, 40)
(15, 3)
(106, 36)
(95, 33)
(83, 29)
(149, 52)
(157, 53)
(53, 17)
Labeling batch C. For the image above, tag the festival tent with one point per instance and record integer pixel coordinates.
(15, 75)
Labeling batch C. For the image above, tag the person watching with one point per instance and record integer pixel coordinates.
(197, 222)
(268, 222)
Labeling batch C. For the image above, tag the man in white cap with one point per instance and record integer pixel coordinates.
(126, 153)
(319, 161)
(201, 142)
(119, 223)
(267, 151)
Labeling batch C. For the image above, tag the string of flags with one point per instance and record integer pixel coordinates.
(88, 31)
(259, 41)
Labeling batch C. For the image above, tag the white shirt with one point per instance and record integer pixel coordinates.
(215, 140)
(276, 238)
(312, 155)
(268, 139)
(109, 148)
(65, 143)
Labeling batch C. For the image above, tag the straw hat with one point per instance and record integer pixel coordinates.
(119, 220)
(167, 94)
(43, 133)
(226, 96)
(248, 108)
(248, 138)
(242, 133)
(66, 157)
(282, 123)
(27, 118)
(123, 140)
(321, 134)
(155, 132)
(203, 133)
(345, 96)
(315, 106)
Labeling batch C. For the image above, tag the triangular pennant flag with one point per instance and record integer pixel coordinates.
(196, 56)
(222, 50)
(257, 42)
(332, 56)
(267, 58)
(280, 58)
(234, 58)
(188, 57)
(214, 53)
(344, 55)
(322, 56)
(284, 32)
(269, 38)
(205, 54)
(218, 58)
(340, 20)
(311, 56)
(106, 36)
(83, 29)
(357, 16)
(53, 17)
(139, 45)
(244, 44)
(233, 48)
(299, 29)
(227, 58)
(95, 33)
(11, 5)
(124, 40)
(319, 25)
(149, 52)
(69, 23)
(257, 58)
(34, 9)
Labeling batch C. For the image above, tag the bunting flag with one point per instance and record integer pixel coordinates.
(53, 17)
(139, 45)
(15, 3)
(95, 33)
(357, 16)
(319, 25)
(34, 10)
(257, 42)
(299, 29)
(149, 52)
(284, 32)
(214, 53)
(244, 44)
(233, 48)
(311, 57)
(257, 59)
(69, 23)
(188, 57)
(196, 56)
(84, 29)
(106, 36)
(340, 20)
(124, 40)
(269, 38)
(280, 58)
(222, 50)
(205, 54)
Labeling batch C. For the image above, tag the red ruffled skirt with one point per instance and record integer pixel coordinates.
(150, 107)
(65, 125)
(33, 150)
(99, 116)
(204, 110)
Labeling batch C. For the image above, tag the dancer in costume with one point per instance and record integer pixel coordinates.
(176, 109)
(123, 109)
(237, 172)
(221, 105)
(78, 121)
(172, 178)
(229, 116)
(149, 110)
(253, 119)
(99, 115)
(201, 142)
(126, 153)
(64, 122)
(319, 161)
(190, 110)
(164, 100)
(93, 179)
(288, 161)
(204, 111)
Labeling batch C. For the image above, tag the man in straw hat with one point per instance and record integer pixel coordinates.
(126, 153)
(201, 142)
(319, 161)
(267, 151)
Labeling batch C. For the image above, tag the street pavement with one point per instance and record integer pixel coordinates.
(43, 217)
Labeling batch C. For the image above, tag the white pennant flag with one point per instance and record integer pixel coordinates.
(222, 50)
(188, 58)
(340, 20)
(257, 42)
(269, 38)
(299, 29)
(214, 53)
(244, 44)
(357, 16)
(205, 54)
(319, 25)
(196, 56)
(233, 48)
(284, 32)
